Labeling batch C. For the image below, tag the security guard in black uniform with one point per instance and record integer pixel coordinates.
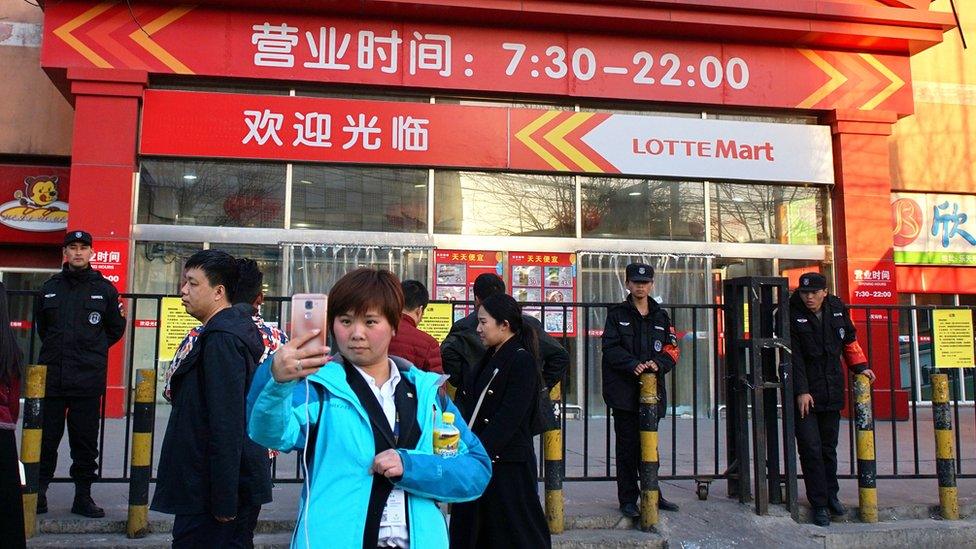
(821, 332)
(80, 318)
(638, 337)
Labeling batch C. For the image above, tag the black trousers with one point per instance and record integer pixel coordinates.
(626, 427)
(82, 415)
(203, 531)
(816, 440)
(11, 499)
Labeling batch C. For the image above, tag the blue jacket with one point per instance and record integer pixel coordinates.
(344, 451)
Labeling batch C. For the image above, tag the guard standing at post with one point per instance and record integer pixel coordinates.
(638, 337)
(821, 332)
(80, 318)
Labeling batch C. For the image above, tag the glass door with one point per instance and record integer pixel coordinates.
(21, 305)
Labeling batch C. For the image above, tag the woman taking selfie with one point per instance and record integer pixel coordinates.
(12, 516)
(499, 403)
(367, 422)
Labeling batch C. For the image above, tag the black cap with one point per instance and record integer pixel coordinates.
(810, 282)
(78, 236)
(639, 272)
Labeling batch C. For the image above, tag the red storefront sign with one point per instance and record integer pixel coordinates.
(324, 130)
(319, 48)
(550, 278)
(872, 285)
(313, 129)
(455, 271)
(110, 258)
(33, 204)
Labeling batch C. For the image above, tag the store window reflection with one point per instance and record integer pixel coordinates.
(643, 209)
(768, 214)
(158, 270)
(353, 198)
(196, 192)
(504, 204)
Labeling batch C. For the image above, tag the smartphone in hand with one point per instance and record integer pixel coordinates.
(308, 312)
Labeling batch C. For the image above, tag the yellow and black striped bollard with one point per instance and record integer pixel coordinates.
(650, 491)
(552, 442)
(137, 525)
(944, 453)
(30, 442)
(867, 470)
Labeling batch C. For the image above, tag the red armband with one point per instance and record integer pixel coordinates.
(853, 354)
(672, 351)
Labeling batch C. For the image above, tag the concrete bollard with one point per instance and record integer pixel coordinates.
(137, 525)
(650, 461)
(944, 452)
(30, 442)
(867, 470)
(555, 469)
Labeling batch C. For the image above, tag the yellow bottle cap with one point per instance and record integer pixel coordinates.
(448, 417)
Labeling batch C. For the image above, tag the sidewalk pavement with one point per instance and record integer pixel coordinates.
(592, 520)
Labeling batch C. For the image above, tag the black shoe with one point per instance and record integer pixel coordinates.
(836, 507)
(821, 517)
(85, 506)
(665, 505)
(41, 503)
(630, 510)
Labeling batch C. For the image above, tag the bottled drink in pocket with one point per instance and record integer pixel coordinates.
(447, 437)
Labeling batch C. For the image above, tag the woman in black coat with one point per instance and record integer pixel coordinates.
(499, 402)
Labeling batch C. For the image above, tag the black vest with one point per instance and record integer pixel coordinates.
(405, 399)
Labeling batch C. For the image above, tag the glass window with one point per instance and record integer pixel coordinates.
(354, 198)
(771, 214)
(268, 259)
(316, 267)
(199, 192)
(158, 266)
(504, 204)
(643, 208)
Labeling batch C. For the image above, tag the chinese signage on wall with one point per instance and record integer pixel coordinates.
(952, 330)
(175, 323)
(110, 258)
(934, 229)
(546, 277)
(455, 272)
(178, 123)
(327, 48)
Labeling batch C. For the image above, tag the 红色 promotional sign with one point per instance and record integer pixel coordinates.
(312, 129)
(198, 40)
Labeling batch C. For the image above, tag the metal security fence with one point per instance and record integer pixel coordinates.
(692, 436)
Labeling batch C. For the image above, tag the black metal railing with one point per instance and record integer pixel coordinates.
(692, 437)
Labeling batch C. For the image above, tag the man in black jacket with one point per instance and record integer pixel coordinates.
(211, 475)
(637, 337)
(462, 349)
(821, 332)
(79, 319)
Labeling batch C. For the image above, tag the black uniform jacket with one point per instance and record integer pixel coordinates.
(208, 464)
(462, 351)
(504, 422)
(818, 344)
(629, 339)
(79, 319)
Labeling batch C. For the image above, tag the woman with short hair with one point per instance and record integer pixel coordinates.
(366, 422)
(499, 402)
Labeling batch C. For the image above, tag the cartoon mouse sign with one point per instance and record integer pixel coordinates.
(36, 206)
